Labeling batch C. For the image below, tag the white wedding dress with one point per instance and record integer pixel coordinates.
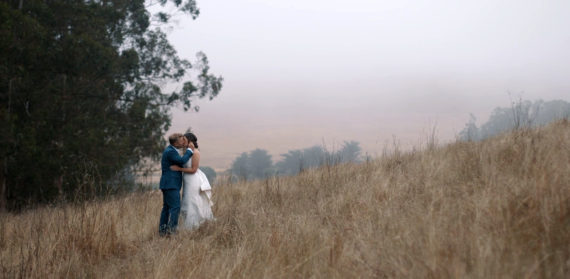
(196, 199)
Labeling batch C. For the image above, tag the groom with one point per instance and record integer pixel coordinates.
(171, 182)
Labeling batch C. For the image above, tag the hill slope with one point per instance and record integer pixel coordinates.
(497, 208)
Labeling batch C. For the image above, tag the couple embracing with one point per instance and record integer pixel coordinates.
(182, 170)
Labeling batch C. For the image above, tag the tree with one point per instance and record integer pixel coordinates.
(550, 111)
(470, 132)
(291, 164)
(350, 152)
(313, 157)
(260, 164)
(256, 164)
(240, 167)
(521, 114)
(80, 96)
(296, 161)
(316, 156)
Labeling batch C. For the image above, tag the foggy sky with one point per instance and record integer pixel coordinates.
(300, 73)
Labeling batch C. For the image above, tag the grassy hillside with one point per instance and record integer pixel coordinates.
(498, 208)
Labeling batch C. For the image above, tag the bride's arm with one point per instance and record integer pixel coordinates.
(193, 168)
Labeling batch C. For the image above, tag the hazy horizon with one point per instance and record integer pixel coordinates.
(300, 73)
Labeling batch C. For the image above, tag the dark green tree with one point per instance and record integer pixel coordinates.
(80, 96)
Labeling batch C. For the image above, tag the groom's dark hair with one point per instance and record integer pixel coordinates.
(191, 137)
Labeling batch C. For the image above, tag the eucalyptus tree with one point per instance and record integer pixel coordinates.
(81, 96)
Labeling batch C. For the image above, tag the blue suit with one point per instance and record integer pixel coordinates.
(170, 184)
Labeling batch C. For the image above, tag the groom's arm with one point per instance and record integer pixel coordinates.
(193, 168)
(175, 158)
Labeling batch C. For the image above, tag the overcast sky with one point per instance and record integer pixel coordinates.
(302, 72)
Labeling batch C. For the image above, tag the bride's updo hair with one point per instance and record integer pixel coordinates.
(191, 137)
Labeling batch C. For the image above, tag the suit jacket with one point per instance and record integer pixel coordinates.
(172, 179)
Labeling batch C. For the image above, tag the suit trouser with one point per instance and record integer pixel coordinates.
(170, 211)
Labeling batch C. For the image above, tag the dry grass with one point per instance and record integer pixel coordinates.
(493, 209)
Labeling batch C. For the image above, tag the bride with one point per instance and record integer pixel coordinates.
(196, 198)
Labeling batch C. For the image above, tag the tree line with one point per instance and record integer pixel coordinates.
(258, 163)
(81, 101)
(521, 114)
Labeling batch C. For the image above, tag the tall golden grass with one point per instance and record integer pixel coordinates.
(497, 208)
